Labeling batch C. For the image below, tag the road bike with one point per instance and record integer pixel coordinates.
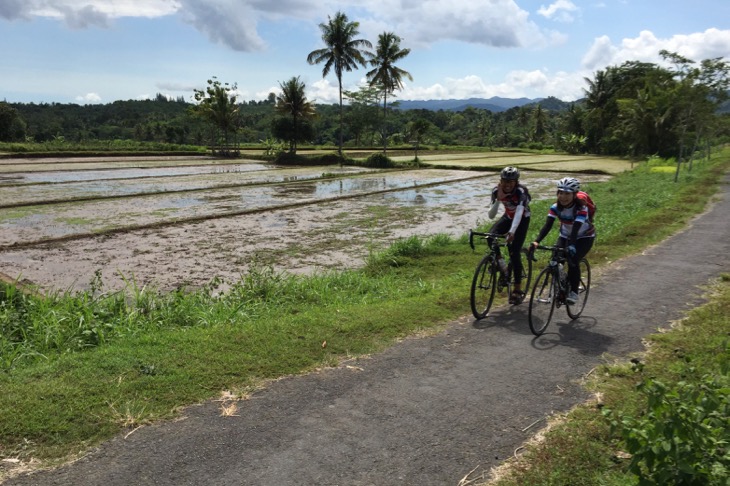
(552, 287)
(494, 274)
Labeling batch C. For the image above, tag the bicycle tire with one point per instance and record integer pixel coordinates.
(574, 311)
(483, 286)
(542, 301)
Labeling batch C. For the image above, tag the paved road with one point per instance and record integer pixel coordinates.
(429, 410)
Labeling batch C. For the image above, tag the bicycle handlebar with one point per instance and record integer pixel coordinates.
(472, 234)
(558, 250)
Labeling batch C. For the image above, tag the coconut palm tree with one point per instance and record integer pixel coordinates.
(293, 103)
(386, 75)
(343, 52)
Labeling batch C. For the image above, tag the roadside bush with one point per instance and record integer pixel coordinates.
(683, 436)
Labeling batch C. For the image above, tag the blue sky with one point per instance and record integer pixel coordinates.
(99, 51)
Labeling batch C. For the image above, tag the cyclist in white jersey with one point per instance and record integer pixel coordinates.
(577, 232)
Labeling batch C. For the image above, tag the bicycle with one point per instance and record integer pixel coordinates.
(489, 278)
(552, 287)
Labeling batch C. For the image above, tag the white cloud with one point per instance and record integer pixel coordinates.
(62, 9)
(89, 99)
(322, 91)
(495, 23)
(709, 44)
(600, 54)
(235, 23)
(561, 11)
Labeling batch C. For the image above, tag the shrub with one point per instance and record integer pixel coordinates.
(379, 160)
(683, 435)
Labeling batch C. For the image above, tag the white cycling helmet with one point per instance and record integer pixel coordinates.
(568, 184)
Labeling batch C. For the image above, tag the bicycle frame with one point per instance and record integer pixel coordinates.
(489, 278)
(552, 287)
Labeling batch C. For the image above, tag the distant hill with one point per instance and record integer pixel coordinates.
(494, 104)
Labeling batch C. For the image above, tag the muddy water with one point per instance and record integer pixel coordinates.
(315, 237)
(34, 223)
(59, 186)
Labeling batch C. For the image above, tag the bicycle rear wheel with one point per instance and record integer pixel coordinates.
(542, 301)
(483, 287)
(574, 311)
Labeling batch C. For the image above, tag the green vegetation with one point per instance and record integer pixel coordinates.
(92, 148)
(79, 368)
(660, 419)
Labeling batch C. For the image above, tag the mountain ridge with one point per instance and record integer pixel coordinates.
(494, 104)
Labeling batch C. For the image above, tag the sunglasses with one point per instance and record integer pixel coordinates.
(565, 192)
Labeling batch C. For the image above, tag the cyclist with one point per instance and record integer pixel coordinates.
(514, 221)
(577, 232)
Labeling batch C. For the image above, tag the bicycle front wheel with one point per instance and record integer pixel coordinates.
(575, 310)
(542, 301)
(483, 287)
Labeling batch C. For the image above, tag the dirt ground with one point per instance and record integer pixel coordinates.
(429, 411)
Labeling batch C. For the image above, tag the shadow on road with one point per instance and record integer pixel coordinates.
(512, 318)
(578, 334)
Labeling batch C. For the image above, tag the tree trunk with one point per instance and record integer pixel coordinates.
(385, 126)
(339, 148)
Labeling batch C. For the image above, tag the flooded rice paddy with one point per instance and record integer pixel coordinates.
(192, 220)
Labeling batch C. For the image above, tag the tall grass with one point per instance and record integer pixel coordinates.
(131, 357)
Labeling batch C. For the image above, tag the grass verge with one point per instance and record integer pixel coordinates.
(80, 368)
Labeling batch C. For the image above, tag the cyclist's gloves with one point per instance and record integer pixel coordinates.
(571, 250)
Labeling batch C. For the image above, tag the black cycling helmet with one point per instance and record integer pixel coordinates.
(510, 174)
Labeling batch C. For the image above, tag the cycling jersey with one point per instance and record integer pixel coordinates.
(518, 197)
(570, 215)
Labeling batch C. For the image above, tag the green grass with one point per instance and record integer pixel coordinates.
(78, 368)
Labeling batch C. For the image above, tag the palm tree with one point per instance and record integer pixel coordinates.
(293, 102)
(343, 52)
(386, 75)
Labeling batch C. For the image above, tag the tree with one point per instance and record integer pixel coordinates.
(343, 52)
(417, 131)
(386, 75)
(293, 103)
(12, 126)
(362, 116)
(217, 104)
(698, 94)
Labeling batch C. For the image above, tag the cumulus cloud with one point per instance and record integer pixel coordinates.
(85, 17)
(561, 11)
(89, 99)
(494, 23)
(709, 44)
(71, 10)
(235, 23)
(224, 22)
